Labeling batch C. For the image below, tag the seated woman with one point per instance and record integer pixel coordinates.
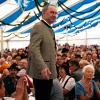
(86, 88)
(67, 82)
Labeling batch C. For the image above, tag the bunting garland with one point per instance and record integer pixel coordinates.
(67, 14)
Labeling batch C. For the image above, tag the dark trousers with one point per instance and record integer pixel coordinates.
(42, 89)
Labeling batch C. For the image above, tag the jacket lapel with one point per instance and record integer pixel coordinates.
(51, 31)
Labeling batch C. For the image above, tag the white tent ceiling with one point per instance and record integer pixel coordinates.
(75, 16)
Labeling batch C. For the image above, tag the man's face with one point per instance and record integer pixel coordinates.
(50, 14)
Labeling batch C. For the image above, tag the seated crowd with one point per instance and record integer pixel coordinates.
(78, 69)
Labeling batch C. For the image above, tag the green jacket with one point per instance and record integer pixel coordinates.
(42, 51)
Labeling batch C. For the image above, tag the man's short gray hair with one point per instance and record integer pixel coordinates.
(46, 7)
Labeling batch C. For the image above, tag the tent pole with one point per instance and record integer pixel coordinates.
(67, 38)
(1, 34)
(7, 41)
(86, 37)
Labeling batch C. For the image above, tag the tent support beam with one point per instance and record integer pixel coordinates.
(1, 34)
(86, 37)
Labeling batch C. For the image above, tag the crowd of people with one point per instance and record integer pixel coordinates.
(13, 65)
(78, 65)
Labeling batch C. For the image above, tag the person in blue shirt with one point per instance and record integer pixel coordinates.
(86, 88)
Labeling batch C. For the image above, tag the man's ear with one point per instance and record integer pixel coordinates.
(43, 13)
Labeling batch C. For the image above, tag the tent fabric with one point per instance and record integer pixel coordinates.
(2, 1)
(73, 17)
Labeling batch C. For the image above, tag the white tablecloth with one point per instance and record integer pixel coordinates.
(10, 98)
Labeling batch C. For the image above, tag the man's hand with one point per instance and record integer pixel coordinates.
(45, 73)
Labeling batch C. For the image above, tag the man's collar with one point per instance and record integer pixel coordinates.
(46, 23)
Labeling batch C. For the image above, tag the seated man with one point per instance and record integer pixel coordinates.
(57, 91)
(21, 90)
(10, 80)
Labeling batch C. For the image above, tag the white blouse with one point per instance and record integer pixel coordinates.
(70, 84)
